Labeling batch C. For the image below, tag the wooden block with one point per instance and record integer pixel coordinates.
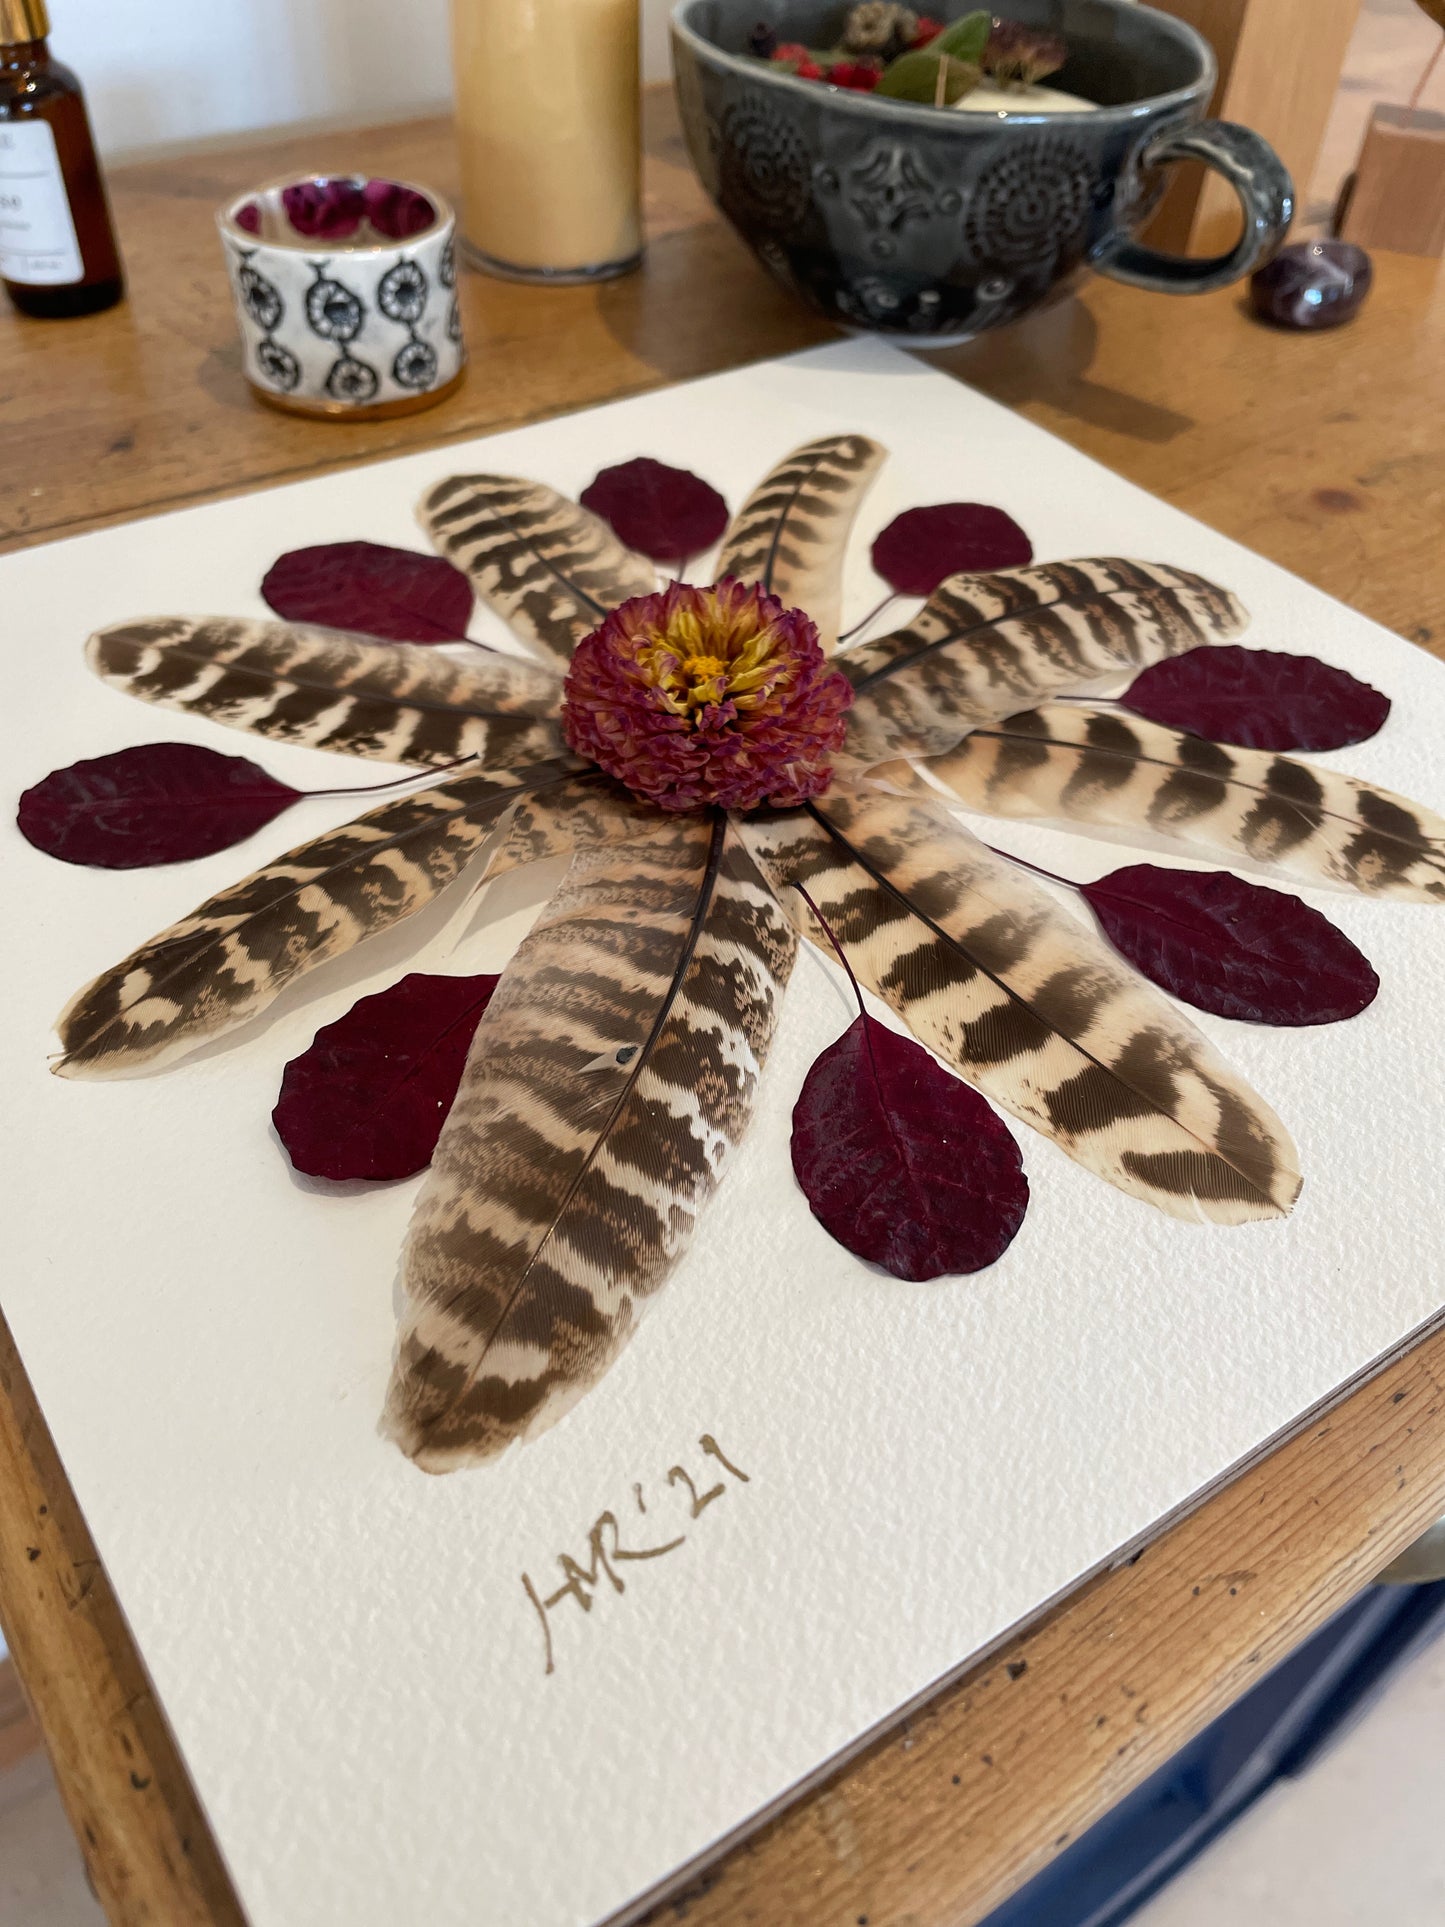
(1398, 197)
(1279, 70)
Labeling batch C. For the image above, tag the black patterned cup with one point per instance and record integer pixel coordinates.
(936, 223)
(345, 291)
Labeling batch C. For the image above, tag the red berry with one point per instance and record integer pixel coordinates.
(790, 50)
(861, 75)
(808, 70)
(926, 30)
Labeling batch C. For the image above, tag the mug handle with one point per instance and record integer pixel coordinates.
(1266, 195)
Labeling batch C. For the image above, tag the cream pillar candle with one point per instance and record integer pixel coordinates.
(548, 126)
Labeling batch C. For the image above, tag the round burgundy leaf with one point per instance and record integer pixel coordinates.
(662, 512)
(1258, 698)
(922, 547)
(1232, 947)
(396, 211)
(157, 803)
(398, 595)
(902, 1163)
(326, 210)
(369, 1097)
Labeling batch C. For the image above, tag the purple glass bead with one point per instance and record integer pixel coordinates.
(1312, 284)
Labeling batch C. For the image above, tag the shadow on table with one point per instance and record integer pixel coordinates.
(668, 317)
(1046, 358)
(669, 314)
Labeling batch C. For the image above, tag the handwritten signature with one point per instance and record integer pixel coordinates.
(606, 1550)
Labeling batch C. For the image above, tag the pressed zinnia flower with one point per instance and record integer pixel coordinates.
(696, 696)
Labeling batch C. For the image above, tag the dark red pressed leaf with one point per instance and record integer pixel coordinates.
(369, 1097)
(399, 595)
(1232, 947)
(324, 210)
(922, 547)
(157, 803)
(396, 211)
(1258, 698)
(663, 512)
(901, 1162)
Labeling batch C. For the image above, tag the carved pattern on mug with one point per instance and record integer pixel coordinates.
(889, 190)
(766, 171)
(1033, 197)
(876, 302)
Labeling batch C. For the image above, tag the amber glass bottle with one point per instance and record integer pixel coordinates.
(57, 248)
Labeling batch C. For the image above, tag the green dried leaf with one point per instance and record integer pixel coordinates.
(926, 76)
(965, 39)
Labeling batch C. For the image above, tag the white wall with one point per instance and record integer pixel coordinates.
(169, 71)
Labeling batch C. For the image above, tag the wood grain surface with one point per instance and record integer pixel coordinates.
(1323, 452)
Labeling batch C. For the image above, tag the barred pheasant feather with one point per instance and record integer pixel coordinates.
(698, 757)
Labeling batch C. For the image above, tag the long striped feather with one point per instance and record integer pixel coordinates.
(1084, 765)
(610, 1078)
(1026, 1003)
(391, 701)
(792, 531)
(550, 568)
(588, 812)
(986, 645)
(223, 964)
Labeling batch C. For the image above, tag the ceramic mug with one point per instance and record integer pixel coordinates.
(345, 291)
(936, 224)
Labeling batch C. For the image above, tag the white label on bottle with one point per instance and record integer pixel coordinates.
(38, 247)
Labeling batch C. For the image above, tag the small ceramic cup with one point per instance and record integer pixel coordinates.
(345, 291)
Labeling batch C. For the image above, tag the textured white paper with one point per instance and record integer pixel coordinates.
(343, 1645)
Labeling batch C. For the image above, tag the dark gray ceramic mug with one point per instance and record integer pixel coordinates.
(937, 224)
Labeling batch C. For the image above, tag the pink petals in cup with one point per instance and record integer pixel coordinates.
(332, 208)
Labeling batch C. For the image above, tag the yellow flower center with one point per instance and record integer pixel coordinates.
(722, 655)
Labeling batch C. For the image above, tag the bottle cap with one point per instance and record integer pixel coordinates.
(22, 20)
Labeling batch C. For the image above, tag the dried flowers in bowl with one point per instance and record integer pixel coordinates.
(981, 62)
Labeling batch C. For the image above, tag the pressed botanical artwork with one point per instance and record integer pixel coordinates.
(723, 773)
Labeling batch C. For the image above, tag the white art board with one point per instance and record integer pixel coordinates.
(343, 1645)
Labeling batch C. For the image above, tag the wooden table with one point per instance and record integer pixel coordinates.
(1322, 452)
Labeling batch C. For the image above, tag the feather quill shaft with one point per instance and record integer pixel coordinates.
(1084, 765)
(223, 964)
(610, 1078)
(391, 701)
(791, 533)
(1027, 1004)
(986, 645)
(549, 567)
